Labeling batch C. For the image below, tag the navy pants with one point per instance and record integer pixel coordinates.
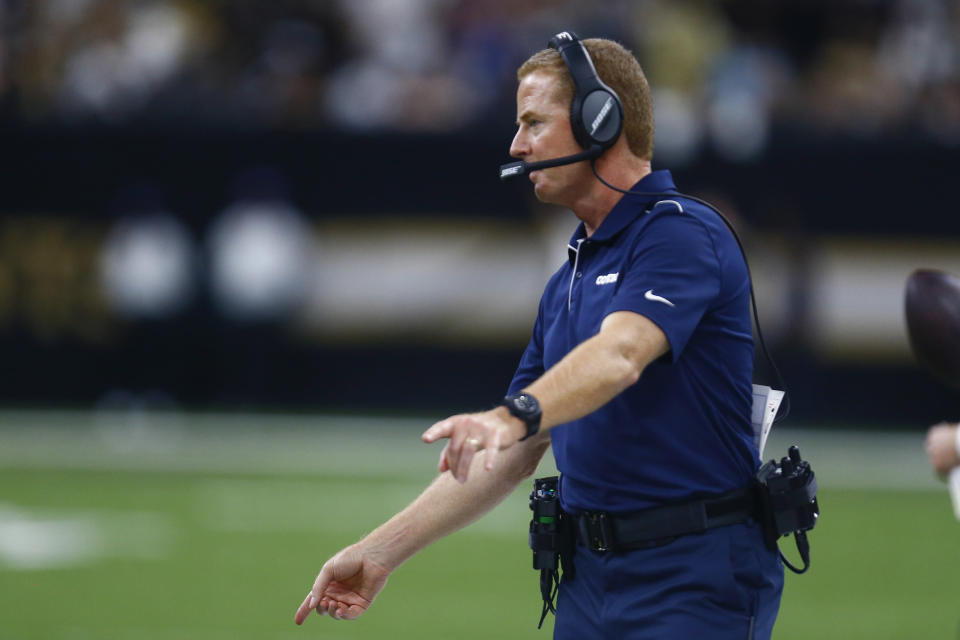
(721, 584)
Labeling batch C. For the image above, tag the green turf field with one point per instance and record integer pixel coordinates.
(214, 527)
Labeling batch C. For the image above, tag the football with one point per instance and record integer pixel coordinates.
(932, 306)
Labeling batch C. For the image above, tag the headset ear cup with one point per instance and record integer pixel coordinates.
(576, 123)
(601, 118)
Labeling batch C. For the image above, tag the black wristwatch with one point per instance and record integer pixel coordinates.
(525, 407)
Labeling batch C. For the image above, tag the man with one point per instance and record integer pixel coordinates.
(943, 446)
(639, 372)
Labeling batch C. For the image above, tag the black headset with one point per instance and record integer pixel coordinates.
(596, 113)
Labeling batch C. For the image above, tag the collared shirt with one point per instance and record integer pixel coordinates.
(683, 430)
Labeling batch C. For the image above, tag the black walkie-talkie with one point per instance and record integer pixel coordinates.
(551, 540)
(788, 503)
(545, 525)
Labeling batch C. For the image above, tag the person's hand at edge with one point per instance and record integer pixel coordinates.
(941, 446)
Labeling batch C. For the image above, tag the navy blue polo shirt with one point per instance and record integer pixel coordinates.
(683, 430)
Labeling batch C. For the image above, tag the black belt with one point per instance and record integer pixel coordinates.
(602, 531)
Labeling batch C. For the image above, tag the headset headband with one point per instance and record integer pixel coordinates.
(596, 113)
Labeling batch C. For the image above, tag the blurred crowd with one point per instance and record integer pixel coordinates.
(723, 72)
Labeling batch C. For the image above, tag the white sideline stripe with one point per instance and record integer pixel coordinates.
(222, 443)
(331, 445)
(280, 505)
(860, 459)
(43, 538)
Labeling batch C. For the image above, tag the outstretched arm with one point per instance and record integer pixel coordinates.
(586, 379)
(351, 579)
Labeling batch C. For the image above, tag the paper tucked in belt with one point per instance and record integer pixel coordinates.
(766, 401)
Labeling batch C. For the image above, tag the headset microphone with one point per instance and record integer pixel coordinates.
(521, 168)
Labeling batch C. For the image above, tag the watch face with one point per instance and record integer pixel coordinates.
(525, 403)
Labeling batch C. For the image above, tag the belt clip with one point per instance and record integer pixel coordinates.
(597, 527)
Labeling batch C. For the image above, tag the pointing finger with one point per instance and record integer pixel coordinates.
(441, 429)
(305, 608)
(313, 598)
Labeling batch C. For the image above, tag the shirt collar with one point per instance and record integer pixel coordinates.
(625, 211)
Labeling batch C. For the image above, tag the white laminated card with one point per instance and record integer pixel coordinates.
(766, 401)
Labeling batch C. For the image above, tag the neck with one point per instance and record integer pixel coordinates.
(619, 169)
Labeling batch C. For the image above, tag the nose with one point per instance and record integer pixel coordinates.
(520, 147)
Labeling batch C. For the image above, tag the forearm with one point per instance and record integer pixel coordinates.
(598, 369)
(586, 379)
(447, 505)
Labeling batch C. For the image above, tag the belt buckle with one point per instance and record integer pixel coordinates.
(597, 528)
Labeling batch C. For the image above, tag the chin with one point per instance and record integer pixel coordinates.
(549, 195)
(542, 194)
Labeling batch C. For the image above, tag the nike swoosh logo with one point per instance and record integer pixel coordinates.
(650, 295)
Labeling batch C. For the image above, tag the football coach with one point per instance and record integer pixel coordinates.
(638, 374)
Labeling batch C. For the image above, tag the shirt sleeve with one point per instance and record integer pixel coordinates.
(672, 276)
(531, 364)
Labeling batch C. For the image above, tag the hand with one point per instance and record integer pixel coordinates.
(346, 586)
(489, 431)
(941, 447)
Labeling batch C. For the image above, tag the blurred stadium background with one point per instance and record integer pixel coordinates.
(249, 250)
